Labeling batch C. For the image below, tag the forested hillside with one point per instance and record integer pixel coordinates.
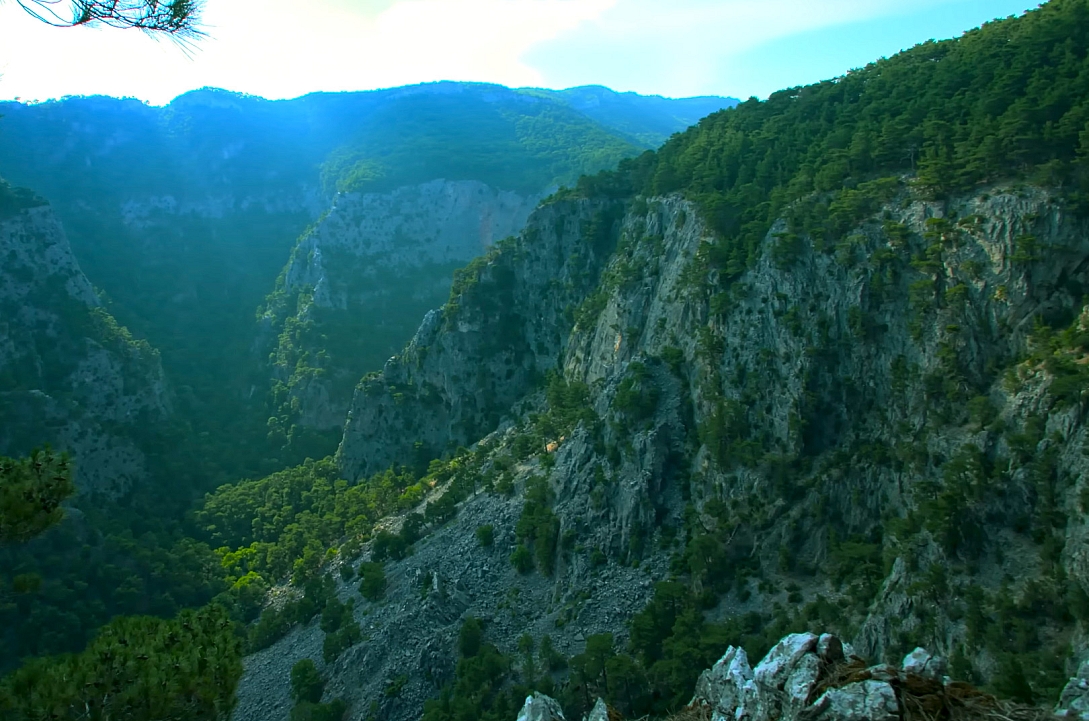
(185, 215)
(816, 364)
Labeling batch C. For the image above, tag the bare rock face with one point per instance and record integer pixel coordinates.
(506, 327)
(869, 700)
(539, 707)
(811, 357)
(922, 663)
(364, 274)
(795, 681)
(1074, 700)
(600, 712)
(69, 375)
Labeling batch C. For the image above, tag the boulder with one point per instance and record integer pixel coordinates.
(780, 661)
(539, 707)
(922, 663)
(728, 687)
(861, 701)
(600, 712)
(1074, 699)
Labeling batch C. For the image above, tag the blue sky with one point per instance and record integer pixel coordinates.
(285, 48)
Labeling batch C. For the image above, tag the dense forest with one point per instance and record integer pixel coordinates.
(182, 585)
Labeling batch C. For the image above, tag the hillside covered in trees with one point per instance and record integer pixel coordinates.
(814, 364)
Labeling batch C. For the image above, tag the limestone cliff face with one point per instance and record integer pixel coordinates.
(69, 375)
(505, 326)
(877, 432)
(363, 275)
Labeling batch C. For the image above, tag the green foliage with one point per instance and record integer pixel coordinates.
(283, 524)
(31, 491)
(487, 134)
(341, 629)
(636, 397)
(954, 509)
(470, 637)
(538, 528)
(136, 668)
(521, 558)
(373, 585)
(480, 688)
(306, 683)
(15, 200)
(1001, 101)
(485, 535)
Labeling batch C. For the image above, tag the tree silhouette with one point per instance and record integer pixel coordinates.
(171, 17)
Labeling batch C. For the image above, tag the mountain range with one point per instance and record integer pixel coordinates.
(804, 383)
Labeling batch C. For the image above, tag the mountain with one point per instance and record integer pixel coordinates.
(70, 376)
(647, 120)
(817, 364)
(185, 215)
(814, 364)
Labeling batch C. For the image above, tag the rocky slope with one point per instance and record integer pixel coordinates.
(878, 434)
(69, 375)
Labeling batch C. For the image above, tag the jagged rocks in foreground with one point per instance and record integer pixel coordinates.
(806, 677)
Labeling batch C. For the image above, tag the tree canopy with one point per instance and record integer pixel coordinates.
(31, 491)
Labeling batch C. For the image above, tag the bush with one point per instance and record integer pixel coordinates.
(470, 637)
(521, 559)
(485, 535)
(373, 586)
(307, 684)
(332, 711)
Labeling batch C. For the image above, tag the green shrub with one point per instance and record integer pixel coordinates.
(521, 559)
(485, 535)
(307, 684)
(373, 586)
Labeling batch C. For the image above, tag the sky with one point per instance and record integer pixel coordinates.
(675, 48)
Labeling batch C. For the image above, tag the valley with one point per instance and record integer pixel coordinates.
(450, 401)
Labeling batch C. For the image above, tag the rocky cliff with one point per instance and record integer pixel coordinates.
(363, 274)
(69, 374)
(881, 433)
(503, 329)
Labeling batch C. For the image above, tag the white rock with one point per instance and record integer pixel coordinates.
(802, 680)
(922, 663)
(773, 671)
(1074, 699)
(539, 707)
(600, 712)
(728, 687)
(861, 701)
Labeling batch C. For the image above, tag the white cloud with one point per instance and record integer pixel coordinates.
(282, 48)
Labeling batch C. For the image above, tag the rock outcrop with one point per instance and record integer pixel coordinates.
(539, 707)
(362, 277)
(69, 375)
(506, 325)
(806, 677)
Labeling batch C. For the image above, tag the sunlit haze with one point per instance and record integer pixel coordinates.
(286, 48)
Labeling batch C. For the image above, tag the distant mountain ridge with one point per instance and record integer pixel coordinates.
(185, 214)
